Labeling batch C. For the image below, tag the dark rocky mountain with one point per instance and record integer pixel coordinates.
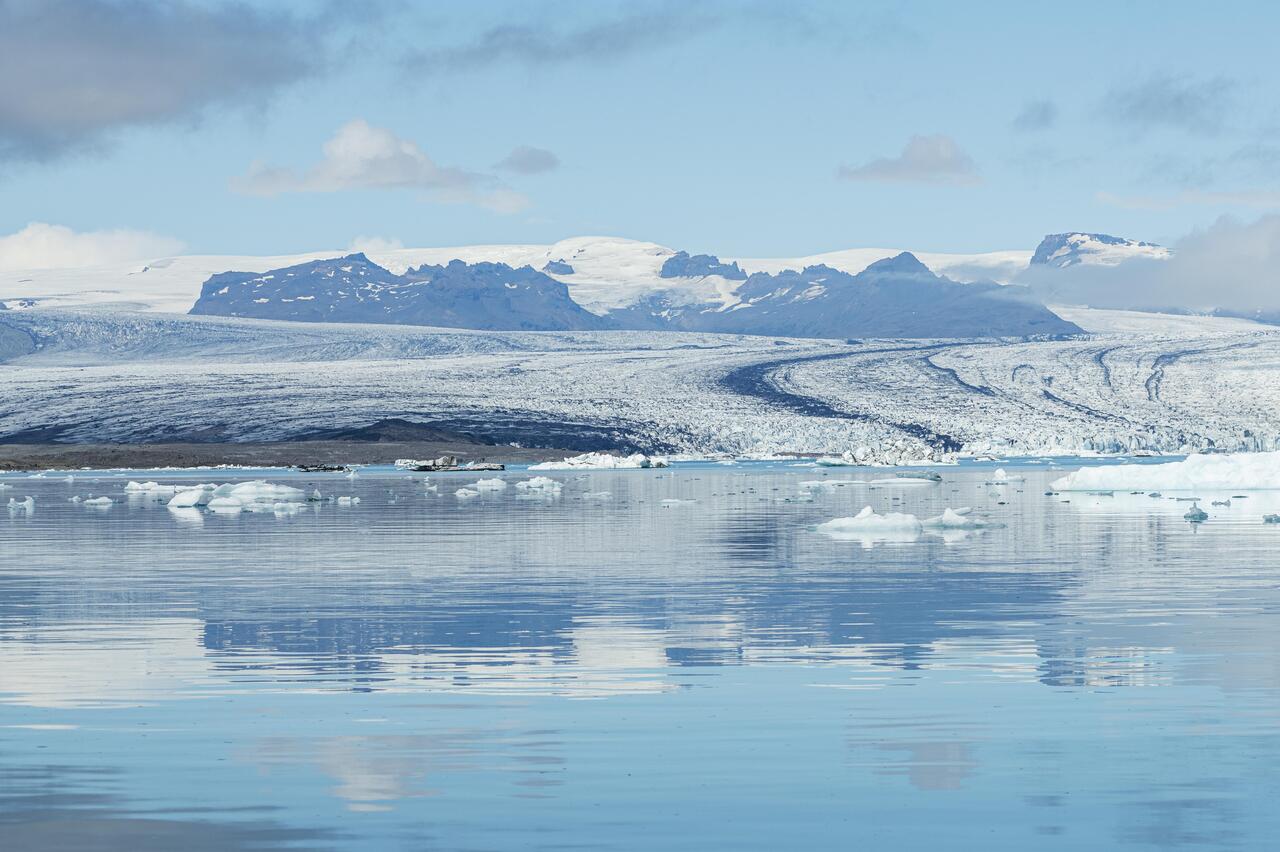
(490, 296)
(894, 297)
(683, 265)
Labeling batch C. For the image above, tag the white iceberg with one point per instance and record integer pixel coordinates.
(191, 497)
(225, 506)
(466, 493)
(870, 528)
(955, 519)
(99, 501)
(27, 505)
(494, 484)
(540, 483)
(1236, 472)
(602, 461)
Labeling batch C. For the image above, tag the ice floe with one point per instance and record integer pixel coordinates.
(602, 461)
(1236, 472)
(870, 527)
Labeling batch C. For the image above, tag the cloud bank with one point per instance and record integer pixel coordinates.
(924, 159)
(74, 71)
(1230, 266)
(43, 246)
(361, 156)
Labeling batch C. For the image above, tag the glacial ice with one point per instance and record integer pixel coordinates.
(543, 484)
(868, 521)
(27, 505)
(601, 461)
(869, 527)
(1235, 472)
(494, 484)
(99, 501)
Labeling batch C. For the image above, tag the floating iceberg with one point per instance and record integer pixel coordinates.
(868, 520)
(489, 485)
(27, 505)
(955, 519)
(1237, 472)
(1001, 477)
(466, 493)
(99, 501)
(601, 461)
(543, 485)
(192, 497)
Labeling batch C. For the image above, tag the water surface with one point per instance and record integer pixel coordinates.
(513, 672)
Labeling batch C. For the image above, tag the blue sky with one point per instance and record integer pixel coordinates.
(741, 128)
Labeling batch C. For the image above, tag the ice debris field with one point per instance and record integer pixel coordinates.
(872, 507)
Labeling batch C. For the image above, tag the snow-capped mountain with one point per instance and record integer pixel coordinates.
(353, 288)
(1070, 249)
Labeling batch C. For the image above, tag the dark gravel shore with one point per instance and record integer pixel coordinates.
(278, 454)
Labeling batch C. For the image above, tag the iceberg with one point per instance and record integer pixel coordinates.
(542, 484)
(191, 497)
(99, 501)
(602, 461)
(869, 527)
(466, 493)
(1235, 472)
(494, 484)
(27, 505)
(955, 519)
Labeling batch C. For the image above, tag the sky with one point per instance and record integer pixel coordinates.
(748, 128)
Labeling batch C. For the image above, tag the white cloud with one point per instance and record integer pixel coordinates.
(361, 156)
(43, 246)
(924, 159)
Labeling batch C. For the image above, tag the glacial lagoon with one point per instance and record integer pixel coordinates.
(646, 659)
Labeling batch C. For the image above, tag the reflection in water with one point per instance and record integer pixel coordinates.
(619, 673)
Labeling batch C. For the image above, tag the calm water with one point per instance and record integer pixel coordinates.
(417, 672)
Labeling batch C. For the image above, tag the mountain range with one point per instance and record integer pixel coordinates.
(893, 297)
(599, 282)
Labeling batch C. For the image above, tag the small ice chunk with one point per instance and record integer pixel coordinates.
(225, 506)
(955, 519)
(540, 483)
(348, 501)
(494, 484)
(25, 505)
(99, 501)
(466, 493)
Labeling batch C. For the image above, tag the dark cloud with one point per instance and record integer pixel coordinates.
(1172, 103)
(924, 159)
(73, 71)
(1036, 115)
(527, 160)
(545, 43)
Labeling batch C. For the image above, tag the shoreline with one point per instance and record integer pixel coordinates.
(37, 457)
